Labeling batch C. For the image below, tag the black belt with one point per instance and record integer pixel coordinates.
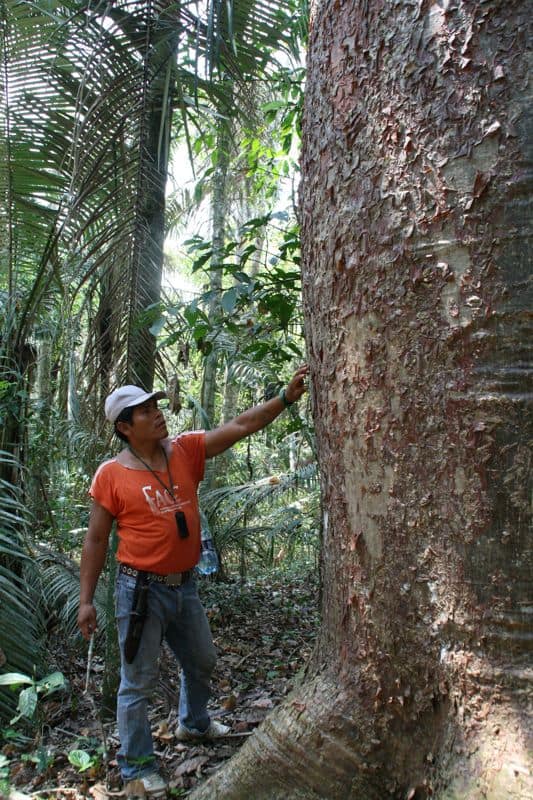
(174, 579)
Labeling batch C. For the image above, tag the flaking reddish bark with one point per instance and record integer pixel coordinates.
(415, 273)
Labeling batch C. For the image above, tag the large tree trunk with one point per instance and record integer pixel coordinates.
(415, 233)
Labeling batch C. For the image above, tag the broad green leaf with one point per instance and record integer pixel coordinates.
(27, 702)
(52, 682)
(191, 314)
(200, 331)
(14, 679)
(229, 300)
(80, 759)
(157, 326)
(199, 262)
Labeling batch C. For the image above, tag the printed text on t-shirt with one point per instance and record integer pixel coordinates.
(161, 502)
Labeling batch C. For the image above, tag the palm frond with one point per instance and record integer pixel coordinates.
(248, 521)
(77, 89)
(57, 580)
(21, 633)
(235, 502)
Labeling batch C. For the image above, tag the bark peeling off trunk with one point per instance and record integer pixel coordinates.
(416, 178)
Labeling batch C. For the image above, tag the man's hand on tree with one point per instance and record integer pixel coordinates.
(297, 385)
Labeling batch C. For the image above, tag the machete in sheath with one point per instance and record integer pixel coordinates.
(137, 617)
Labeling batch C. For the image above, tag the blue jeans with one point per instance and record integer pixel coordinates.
(175, 614)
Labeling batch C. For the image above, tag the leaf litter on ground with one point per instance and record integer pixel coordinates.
(264, 631)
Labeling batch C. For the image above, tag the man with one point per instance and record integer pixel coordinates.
(150, 489)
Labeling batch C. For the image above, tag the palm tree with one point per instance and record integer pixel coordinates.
(89, 95)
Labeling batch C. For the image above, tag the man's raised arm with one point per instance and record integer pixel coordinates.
(256, 418)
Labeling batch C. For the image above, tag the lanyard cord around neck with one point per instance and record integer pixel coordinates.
(168, 489)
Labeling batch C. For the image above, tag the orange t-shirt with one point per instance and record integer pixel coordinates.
(145, 511)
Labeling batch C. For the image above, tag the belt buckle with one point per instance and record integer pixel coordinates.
(174, 579)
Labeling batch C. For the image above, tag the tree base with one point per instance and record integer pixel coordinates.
(324, 743)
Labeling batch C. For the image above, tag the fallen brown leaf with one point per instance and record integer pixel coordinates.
(191, 765)
(229, 703)
(263, 702)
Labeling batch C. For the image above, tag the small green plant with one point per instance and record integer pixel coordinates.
(29, 697)
(87, 753)
(83, 760)
(42, 758)
(15, 738)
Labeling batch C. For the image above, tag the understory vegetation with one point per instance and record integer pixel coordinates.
(263, 628)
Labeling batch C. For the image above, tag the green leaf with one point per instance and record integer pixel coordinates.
(246, 253)
(257, 350)
(294, 347)
(200, 261)
(196, 243)
(14, 679)
(274, 105)
(157, 326)
(52, 682)
(200, 331)
(229, 300)
(191, 314)
(252, 224)
(27, 702)
(81, 759)
(280, 307)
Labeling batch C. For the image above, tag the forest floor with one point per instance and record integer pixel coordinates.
(264, 632)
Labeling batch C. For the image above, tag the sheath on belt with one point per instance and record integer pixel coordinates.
(137, 617)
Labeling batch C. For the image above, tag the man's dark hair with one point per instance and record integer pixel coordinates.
(126, 415)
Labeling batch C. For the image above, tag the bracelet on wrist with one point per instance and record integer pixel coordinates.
(283, 397)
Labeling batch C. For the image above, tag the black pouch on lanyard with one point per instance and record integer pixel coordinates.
(181, 523)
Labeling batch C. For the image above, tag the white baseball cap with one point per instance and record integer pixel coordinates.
(126, 396)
